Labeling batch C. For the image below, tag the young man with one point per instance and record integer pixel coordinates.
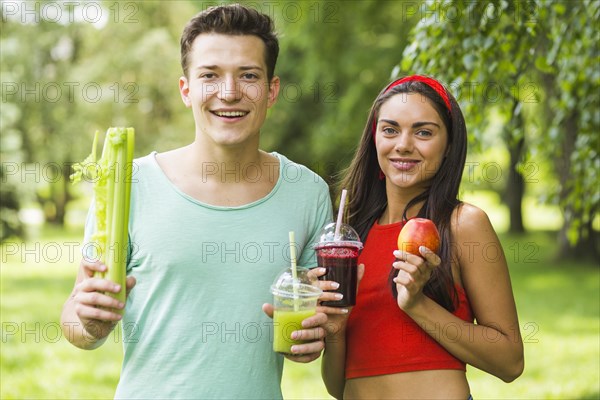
(208, 233)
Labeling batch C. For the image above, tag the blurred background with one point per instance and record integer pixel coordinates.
(527, 76)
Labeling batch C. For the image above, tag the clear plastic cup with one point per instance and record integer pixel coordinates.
(339, 256)
(294, 301)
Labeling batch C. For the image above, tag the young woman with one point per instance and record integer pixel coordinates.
(412, 331)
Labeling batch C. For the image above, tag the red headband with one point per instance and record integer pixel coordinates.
(432, 83)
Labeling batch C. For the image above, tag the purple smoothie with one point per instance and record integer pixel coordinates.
(341, 264)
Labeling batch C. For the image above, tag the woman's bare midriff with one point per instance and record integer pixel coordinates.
(436, 384)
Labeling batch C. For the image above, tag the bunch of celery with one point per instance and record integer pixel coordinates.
(111, 176)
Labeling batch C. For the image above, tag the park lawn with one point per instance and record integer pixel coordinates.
(36, 360)
(559, 311)
(559, 315)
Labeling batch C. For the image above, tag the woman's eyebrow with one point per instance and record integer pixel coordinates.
(414, 125)
(390, 121)
(423, 123)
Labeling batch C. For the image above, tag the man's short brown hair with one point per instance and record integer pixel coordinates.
(232, 19)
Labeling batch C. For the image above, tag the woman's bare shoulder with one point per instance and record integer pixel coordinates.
(468, 218)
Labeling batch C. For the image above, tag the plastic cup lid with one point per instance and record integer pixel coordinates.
(302, 286)
(302, 291)
(348, 237)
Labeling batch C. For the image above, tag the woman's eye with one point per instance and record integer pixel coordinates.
(424, 133)
(388, 131)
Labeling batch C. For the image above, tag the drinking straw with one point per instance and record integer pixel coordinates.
(294, 268)
(340, 215)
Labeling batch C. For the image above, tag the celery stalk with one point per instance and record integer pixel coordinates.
(112, 194)
(109, 167)
(128, 179)
(118, 250)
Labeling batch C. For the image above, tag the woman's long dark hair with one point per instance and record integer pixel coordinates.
(367, 194)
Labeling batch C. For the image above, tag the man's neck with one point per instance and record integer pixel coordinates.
(205, 150)
(221, 177)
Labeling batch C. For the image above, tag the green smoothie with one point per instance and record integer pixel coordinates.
(284, 323)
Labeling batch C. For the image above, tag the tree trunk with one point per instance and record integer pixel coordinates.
(586, 246)
(515, 188)
(55, 206)
(63, 197)
(60, 201)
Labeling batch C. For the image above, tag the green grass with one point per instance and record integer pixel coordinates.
(558, 303)
(36, 361)
(559, 314)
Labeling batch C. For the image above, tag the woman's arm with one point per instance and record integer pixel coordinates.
(333, 366)
(494, 344)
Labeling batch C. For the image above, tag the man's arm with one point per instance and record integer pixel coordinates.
(88, 315)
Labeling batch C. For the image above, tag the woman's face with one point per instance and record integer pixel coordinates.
(411, 141)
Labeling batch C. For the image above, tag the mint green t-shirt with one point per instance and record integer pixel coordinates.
(193, 326)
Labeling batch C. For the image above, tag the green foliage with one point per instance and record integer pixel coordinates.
(573, 60)
(335, 57)
(522, 69)
(533, 63)
(64, 79)
(77, 77)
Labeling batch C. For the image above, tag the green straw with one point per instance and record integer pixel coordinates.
(294, 269)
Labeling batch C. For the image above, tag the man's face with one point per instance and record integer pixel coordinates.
(227, 88)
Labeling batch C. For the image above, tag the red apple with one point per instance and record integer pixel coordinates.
(419, 232)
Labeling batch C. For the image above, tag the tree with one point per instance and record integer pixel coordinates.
(9, 209)
(33, 97)
(65, 76)
(540, 59)
(335, 57)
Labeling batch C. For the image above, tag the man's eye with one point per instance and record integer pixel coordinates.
(250, 76)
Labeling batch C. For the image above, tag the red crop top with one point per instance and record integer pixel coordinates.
(380, 338)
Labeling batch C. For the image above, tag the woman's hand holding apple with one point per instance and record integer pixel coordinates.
(418, 242)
